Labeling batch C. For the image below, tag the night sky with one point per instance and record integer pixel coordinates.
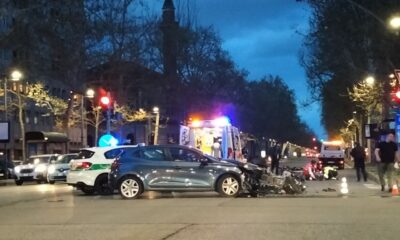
(264, 37)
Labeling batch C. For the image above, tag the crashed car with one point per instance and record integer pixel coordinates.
(258, 181)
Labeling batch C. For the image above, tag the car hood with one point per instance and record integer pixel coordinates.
(241, 165)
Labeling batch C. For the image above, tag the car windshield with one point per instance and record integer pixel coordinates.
(37, 160)
(65, 159)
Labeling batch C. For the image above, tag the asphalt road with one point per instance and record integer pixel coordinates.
(58, 212)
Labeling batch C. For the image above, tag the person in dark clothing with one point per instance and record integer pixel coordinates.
(359, 155)
(275, 156)
(386, 155)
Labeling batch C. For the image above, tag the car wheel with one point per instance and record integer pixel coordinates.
(19, 182)
(228, 186)
(87, 190)
(130, 187)
(101, 186)
(51, 181)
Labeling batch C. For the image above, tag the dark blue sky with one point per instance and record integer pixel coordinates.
(264, 37)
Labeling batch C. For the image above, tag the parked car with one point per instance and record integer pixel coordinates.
(89, 171)
(57, 171)
(6, 169)
(34, 169)
(173, 168)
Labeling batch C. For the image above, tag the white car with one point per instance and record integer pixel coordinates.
(57, 170)
(89, 171)
(34, 169)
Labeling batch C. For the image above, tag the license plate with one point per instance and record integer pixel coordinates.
(60, 174)
(25, 174)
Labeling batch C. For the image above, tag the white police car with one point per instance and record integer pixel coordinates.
(89, 170)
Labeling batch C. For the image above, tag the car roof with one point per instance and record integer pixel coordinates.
(44, 155)
(105, 149)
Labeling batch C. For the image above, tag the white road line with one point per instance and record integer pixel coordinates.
(371, 186)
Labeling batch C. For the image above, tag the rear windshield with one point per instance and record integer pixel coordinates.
(85, 154)
(37, 160)
(65, 158)
(332, 148)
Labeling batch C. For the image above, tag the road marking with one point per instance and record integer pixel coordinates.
(371, 186)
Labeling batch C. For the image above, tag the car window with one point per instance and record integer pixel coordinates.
(113, 153)
(65, 158)
(130, 153)
(180, 154)
(85, 154)
(37, 160)
(153, 154)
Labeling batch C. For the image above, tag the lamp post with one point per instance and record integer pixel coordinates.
(156, 110)
(370, 82)
(89, 94)
(15, 76)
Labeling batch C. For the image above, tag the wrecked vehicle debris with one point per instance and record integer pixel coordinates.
(259, 182)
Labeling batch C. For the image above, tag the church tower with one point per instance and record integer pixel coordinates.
(169, 27)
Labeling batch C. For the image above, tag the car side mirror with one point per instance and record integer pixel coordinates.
(203, 161)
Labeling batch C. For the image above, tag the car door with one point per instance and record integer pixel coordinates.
(155, 168)
(188, 171)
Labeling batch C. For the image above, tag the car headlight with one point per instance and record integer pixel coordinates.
(17, 169)
(51, 169)
(40, 168)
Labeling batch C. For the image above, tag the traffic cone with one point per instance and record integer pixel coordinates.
(343, 187)
(395, 190)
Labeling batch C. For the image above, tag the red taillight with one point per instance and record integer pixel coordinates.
(83, 165)
(115, 165)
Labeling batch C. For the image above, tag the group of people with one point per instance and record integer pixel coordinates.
(314, 171)
(385, 154)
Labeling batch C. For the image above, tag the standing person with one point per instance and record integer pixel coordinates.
(275, 156)
(216, 149)
(386, 155)
(359, 155)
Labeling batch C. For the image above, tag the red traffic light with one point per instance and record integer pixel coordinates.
(105, 100)
(397, 94)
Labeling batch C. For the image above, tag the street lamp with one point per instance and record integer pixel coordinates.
(395, 22)
(370, 80)
(156, 110)
(89, 94)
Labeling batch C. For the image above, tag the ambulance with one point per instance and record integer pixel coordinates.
(203, 134)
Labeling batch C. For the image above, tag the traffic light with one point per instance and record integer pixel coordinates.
(105, 101)
(396, 95)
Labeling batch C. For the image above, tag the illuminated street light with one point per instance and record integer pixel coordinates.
(156, 109)
(395, 22)
(370, 80)
(90, 93)
(16, 75)
(391, 76)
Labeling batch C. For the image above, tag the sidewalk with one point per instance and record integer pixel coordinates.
(8, 182)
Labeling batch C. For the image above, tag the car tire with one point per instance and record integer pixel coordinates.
(88, 190)
(51, 181)
(228, 186)
(101, 185)
(130, 187)
(19, 182)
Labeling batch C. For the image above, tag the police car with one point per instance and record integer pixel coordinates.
(89, 170)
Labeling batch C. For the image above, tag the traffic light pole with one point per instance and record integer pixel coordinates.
(109, 115)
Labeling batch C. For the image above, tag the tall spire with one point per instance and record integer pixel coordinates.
(168, 4)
